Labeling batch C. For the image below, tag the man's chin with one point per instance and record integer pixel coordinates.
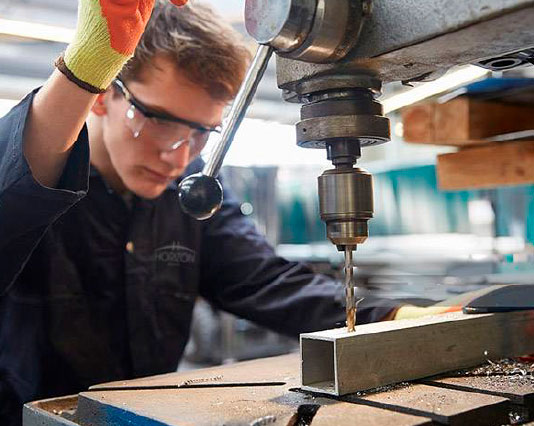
(148, 191)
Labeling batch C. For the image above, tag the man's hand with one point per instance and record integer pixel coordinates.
(496, 298)
(106, 37)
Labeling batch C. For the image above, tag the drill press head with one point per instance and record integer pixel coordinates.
(340, 111)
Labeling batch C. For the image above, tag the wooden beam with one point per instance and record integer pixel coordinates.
(337, 362)
(498, 164)
(463, 121)
(418, 122)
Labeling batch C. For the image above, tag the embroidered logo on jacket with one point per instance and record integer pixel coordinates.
(174, 254)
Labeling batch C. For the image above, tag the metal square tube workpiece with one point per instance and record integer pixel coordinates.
(336, 362)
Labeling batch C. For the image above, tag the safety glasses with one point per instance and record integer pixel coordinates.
(160, 127)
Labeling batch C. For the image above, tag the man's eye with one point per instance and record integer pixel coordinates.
(161, 123)
(202, 134)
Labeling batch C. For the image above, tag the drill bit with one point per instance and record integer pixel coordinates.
(349, 290)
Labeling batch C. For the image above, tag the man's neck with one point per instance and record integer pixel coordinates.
(100, 157)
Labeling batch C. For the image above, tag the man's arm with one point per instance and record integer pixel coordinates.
(56, 118)
(241, 274)
(107, 33)
(27, 208)
(44, 154)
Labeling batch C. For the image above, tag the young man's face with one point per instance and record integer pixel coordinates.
(147, 154)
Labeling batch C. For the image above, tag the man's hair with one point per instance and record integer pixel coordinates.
(198, 42)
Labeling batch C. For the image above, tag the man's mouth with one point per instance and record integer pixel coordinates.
(157, 177)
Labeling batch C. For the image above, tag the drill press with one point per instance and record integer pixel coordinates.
(340, 114)
(333, 64)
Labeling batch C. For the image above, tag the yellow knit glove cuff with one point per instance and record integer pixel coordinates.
(90, 60)
(412, 312)
(453, 304)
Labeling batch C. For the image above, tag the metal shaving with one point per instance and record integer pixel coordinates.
(263, 421)
(505, 367)
(201, 380)
(519, 415)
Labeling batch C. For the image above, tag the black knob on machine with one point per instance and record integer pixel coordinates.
(200, 195)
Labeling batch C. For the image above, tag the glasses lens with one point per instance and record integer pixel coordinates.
(198, 141)
(163, 131)
(167, 131)
(135, 120)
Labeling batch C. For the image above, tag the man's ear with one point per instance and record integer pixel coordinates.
(99, 108)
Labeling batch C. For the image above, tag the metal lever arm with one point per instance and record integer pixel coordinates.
(239, 109)
(201, 194)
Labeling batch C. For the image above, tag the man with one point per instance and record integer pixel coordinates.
(99, 267)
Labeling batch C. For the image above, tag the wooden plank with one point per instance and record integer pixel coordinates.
(337, 362)
(251, 406)
(443, 406)
(418, 122)
(463, 121)
(498, 164)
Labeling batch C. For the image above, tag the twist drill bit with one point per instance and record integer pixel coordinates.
(349, 290)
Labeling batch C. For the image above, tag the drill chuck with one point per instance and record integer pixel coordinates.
(346, 204)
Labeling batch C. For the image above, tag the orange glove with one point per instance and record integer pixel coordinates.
(106, 36)
(490, 299)
(454, 304)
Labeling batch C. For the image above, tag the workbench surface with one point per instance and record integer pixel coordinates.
(266, 392)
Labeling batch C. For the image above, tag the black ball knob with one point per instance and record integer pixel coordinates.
(200, 196)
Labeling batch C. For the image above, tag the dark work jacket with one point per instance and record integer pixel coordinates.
(95, 290)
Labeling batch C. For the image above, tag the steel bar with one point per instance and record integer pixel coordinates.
(336, 362)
